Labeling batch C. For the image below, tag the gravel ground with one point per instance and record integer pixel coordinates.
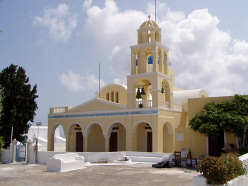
(96, 174)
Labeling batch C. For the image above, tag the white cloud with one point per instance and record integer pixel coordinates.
(113, 33)
(60, 22)
(203, 55)
(75, 82)
(87, 3)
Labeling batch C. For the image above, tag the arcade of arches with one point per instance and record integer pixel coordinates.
(96, 138)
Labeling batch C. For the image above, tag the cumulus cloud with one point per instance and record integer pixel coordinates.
(60, 22)
(203, 55)
(87, 3)
(75, 82)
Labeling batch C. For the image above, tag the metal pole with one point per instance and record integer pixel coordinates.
(155, 10)
(11, 137)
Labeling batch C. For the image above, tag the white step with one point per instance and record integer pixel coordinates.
(150, 157)
(145, 159)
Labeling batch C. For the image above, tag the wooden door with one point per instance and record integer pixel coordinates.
(113, 142)
(215, 144)
(79, 142)
(149, 141)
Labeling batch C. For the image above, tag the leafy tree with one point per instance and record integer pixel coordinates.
(18, 103)
(228, 116)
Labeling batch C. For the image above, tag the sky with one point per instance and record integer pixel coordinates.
(61, 43)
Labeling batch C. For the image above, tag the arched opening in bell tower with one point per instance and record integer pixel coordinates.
(143, 97)
(166, 93)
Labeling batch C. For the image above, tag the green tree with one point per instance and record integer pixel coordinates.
(18, 103)
(230, 116)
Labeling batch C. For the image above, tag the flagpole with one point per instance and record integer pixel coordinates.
(99, 79)
(155, 10)
(11, 136)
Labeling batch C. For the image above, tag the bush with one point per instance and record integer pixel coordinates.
(243, 150)
(219, 170)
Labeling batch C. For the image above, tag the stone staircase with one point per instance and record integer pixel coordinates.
(147, 157)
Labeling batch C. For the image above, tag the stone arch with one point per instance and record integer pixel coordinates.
(165, 85)
(117, 133)
(138, 63)
(142, 136)
(168, 138)
(96, 140)
(57, 143)
(141, 86)
(74, 138)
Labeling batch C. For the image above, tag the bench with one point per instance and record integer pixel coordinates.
(65, 162)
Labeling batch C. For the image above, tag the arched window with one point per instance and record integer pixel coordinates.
(112, 96)
(117, 97)
(107, 96)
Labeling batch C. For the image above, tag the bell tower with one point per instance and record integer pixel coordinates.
(151, 82)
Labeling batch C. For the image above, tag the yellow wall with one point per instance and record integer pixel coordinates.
(96, 141)
(195, 141)
(122, 93)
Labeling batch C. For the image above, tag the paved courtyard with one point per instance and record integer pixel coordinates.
(107, 174)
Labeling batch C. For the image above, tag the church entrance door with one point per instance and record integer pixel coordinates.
(149, 141)
(113, 142)
(79, 142)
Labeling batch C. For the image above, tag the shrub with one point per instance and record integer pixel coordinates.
(214, 170)
(219, 170)
(234, 165)
(243, 150)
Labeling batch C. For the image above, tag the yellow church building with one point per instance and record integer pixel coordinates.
(150, 114)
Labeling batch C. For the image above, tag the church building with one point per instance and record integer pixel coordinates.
(150, 114)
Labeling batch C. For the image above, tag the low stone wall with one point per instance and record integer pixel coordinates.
(5, 156)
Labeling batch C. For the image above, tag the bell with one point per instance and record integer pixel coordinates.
(138, 95)
(162, 90)
(143, 91)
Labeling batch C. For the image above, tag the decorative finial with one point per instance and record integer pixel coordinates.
(149, 17)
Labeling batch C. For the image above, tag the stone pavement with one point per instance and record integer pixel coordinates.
(104, 174)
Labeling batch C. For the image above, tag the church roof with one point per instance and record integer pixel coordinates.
(182, 96)
(149, 23)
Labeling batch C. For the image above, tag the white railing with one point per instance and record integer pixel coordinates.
(59, 110)
(144, 103)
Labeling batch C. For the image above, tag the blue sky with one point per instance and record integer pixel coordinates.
(60, 44)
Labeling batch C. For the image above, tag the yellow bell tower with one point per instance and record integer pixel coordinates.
(151, 82)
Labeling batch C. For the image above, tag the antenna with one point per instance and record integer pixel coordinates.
(155, 10)
(99, 79)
